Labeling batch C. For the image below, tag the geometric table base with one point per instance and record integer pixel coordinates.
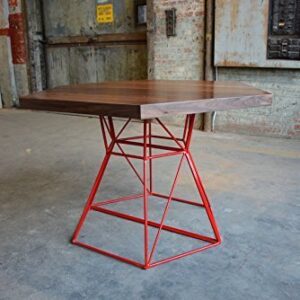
(114, 145)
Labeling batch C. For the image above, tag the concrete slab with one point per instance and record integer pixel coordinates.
(47, 165)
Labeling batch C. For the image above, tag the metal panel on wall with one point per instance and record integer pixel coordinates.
(242, 32)
(86, 42)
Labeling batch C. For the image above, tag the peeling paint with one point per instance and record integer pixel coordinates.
(75, 52)
(241, 34)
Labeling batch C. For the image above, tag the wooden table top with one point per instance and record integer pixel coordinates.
(146, 99)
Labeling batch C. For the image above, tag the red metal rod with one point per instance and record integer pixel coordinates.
(153, 136)
(166, 209)
(123, 128)
(111, 254)
(112, 128)
(131, 197)
(169, 133)
(150, 159)
(111, 123)
(166, 154)
(107, 127)
(145, 154)
(172, 258)
(185, 128)
(95, 185)
(155, 146)
(127, 155)
(103, 133)
(153, 224)
(177, 199)
(138, 137)
(203, 195)
(161, 137)
(91, 196)
(191, 122)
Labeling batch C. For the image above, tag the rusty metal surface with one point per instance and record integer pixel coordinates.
(7, 75)
(103, 39)
(17, 37)
(36, 45)
(81, 50)
(68, 65)
(284, 32)
(77, 17)
(13, 3)
(4, 32)
(241, 35)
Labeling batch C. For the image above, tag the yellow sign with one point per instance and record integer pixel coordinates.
(105, 13)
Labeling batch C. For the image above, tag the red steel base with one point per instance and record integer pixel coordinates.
(113, 143)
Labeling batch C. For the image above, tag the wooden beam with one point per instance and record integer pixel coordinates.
(105, 39)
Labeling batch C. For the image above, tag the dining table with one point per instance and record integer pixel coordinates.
(148, 102)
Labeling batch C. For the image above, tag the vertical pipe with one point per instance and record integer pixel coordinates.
(208, 59)
(37, 66)
(8, 82)
(150, 160)
(145, 152)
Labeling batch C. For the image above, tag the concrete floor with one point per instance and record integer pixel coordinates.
(47, 164)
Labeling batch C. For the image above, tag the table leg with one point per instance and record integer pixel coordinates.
(183, 149)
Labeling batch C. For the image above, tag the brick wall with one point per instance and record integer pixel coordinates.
(179, 57)
(282, 119)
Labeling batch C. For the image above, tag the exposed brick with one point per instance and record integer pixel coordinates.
(282, 119)
(182, 57)
(179, 57)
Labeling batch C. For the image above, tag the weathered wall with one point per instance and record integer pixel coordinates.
(182, 56)
(92, 63)
(179, 57)
(77, 17)
(36, 43)
(7, 76)
(13, 72)
(20, 67)
(281, 119)
(241, 32)
(7, 80)
(241, 35)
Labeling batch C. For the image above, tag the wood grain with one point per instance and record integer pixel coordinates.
(146, 99)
